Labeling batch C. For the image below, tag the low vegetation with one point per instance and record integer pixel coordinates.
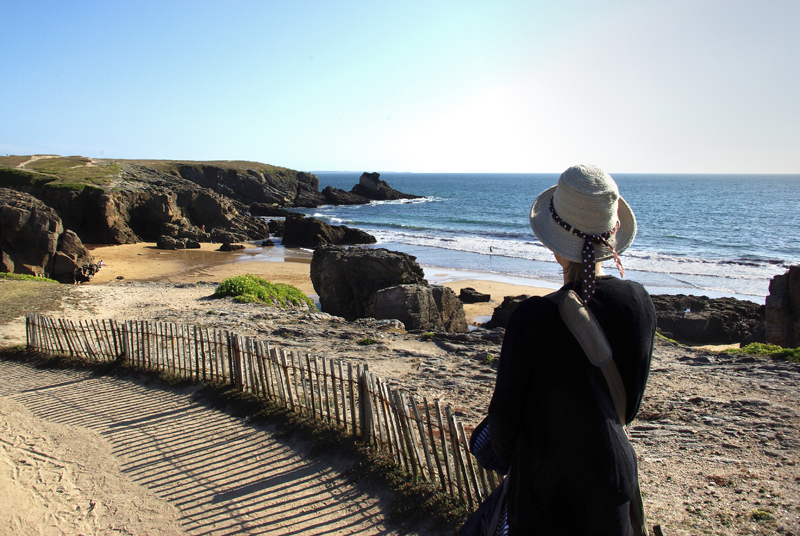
(253, 289)
(23, 277)
(70, 172)
(20, 294)
(768, 350)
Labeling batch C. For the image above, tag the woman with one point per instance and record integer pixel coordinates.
(552, 417)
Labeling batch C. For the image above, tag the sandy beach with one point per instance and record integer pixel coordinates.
(145, 262)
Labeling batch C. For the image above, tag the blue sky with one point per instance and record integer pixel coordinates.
(426, 86)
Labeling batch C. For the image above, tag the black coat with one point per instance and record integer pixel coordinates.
(552, 417)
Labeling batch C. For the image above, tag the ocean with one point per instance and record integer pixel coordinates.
(713, 235)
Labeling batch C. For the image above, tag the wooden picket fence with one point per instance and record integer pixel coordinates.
(425, 439)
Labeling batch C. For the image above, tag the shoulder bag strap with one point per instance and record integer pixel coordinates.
(587, 331)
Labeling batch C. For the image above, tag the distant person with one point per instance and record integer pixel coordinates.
(552, 418)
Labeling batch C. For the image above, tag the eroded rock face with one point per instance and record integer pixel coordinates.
(280, 187)
(783, 309)
(33, 241)
(703, 320)
(302, 232)
(346, 279)
(150, 204)
(420, 307)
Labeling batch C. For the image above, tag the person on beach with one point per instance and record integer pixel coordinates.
(552, 418)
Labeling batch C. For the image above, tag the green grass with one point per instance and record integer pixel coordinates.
(23, 277)
(761, 515)
(71, 173)
(768, 350)
(367, 341)
(253, 289)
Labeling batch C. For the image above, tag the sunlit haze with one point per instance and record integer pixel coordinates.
(504, 86)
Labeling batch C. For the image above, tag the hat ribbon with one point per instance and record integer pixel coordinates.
(588, 255)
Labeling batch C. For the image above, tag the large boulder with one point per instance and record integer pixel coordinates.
(346, 279)
(703, 320)
(429, 308)
(302, 232)
(783, 309)
(372, 187)
(470, 295)
(33, 241)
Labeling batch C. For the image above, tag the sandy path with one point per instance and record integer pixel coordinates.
(95, 455)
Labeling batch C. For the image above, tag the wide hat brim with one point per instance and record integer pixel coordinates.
(568, 245)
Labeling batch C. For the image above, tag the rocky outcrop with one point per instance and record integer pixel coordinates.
(302, 232)
(276, 227)
(147, 204)
(231, 247)
(347, 279)
(470, 295)
(783, 309)
(263, 209)
(703, 320)
(132, 201)
(419, 307)
(33, 241)
(336, 196)
(503, 311)
(256, 184)
(372, 187)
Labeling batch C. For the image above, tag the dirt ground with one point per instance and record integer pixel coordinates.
(718, 436)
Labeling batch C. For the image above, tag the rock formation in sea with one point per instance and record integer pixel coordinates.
(783, 309)
(306, 232)
(33, 241)
(370, 187)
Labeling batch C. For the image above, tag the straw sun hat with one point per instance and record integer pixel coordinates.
(584, 209)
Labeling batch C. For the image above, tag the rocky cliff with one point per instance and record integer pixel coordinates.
(122, 202)
(127, 201)
(33, 241)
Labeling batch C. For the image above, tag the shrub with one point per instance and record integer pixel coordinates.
(769, 350)
(253, 289)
